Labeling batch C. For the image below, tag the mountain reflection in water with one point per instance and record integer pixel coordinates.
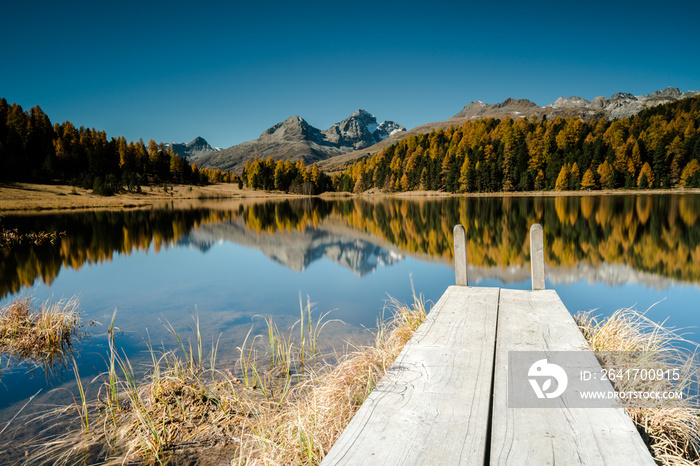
(297, 249)
(649, 239)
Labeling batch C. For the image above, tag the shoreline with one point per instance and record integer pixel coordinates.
(32, 197)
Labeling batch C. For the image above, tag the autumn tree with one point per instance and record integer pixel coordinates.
(690, 177)
(646, 177)
(563, 178)
(605, 171)
(588, 181)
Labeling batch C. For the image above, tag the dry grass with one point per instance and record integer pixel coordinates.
(284, 405)
(629, 339)
(17, 197)
(45, 335)
(304, 431)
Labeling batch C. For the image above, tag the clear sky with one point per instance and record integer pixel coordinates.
(226, 71)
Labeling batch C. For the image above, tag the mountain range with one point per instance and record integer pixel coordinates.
(295, 139)
(360, 134)
(193, 150)
(617, 106)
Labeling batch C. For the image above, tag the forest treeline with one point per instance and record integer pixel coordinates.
(34, 150)
(657, 148)
(655, 234)
(285, 175)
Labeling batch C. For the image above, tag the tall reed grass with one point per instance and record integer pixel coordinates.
(630, 340)
(283, 403)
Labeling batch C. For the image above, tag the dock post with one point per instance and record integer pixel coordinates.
(537, 256)
(460, 256)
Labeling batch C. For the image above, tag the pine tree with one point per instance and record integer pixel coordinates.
(690, 177)
(424, 180)
(588, 181)
(280, 177)
(574, 178)
(464, 170)
(605, 171)
(539, 180)
(646, 177)
(562, 183)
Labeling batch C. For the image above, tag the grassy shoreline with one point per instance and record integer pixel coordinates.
(287, 404)
(28, 197)
(283, 403)
(630, 340)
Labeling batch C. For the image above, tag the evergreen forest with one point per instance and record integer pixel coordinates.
(34, 150)
(657, 148)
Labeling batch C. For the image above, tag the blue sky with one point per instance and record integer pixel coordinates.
(226, 71)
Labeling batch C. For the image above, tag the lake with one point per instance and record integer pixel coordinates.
(229, 263)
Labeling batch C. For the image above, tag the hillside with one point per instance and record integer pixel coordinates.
(617, 106)
(658, 147)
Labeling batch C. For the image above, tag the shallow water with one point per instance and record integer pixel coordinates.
(231, 262)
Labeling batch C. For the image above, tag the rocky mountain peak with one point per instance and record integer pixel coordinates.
(196, 148)
(672, 92)
(470, 108)
(199, 144)
(571, 102)
(362, 114)
(360, 130)
(622, 96)
(599, 102)
(294, 128)
(523, 104)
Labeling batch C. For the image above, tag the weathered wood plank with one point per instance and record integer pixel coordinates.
(536, 321)
(537, 256)
(432, 407)
(460, 241)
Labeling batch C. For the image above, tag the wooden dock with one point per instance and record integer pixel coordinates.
(445, 399)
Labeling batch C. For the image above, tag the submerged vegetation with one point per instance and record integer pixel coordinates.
(43, 336)
(629, 339)
(9, 238)
(285, 403)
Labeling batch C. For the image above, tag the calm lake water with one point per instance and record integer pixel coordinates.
(231, 262)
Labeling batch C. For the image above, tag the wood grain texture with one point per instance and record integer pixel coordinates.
(537, 256)
(432, 407)
(536, 321)
(460, 241)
